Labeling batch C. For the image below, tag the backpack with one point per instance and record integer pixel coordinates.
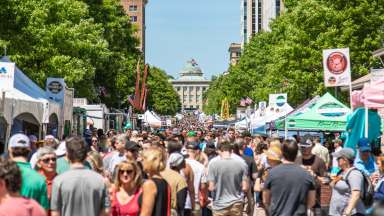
(368, 190)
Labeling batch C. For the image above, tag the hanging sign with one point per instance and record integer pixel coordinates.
(55, 89)
(337, 67)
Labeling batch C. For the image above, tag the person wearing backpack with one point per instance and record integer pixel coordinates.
(347, 186)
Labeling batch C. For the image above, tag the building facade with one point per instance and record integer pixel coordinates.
(256, 15)
(135, 9)
(234, 53)
(190, 86)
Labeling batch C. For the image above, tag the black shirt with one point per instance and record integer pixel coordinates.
(289, 185)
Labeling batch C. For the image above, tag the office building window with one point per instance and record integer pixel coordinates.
(178, 88)
(259, 15)
(277, 7)
(133, 19)
(204, 88)
(191, 89)
(132, 8)
(197, 88)
(190, 98)
(185, 88)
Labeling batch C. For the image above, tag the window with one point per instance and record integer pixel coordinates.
(191, 106)
(185, 88)
(197, 107)
(178, 88)
(197, 88)
(133, 18)
(191, 89)
(132, 8)
(190, 98)
(259, 15)
(204, 88)
(277, 8)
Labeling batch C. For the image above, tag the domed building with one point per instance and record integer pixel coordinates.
(190, 86)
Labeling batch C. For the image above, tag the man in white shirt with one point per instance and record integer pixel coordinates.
(200, 179)
(321, 152)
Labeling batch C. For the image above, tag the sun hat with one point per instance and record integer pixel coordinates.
(175, 159)
(347, 153)
(274, 153)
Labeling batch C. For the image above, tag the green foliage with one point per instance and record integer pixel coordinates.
(90, 43)
(289, 58)
(162, 97)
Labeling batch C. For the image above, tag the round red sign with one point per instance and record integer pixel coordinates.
(337, 63)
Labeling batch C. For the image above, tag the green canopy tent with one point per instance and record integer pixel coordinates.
(326, 114)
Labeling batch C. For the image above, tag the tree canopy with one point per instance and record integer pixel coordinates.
(90, 43)
(289, 57)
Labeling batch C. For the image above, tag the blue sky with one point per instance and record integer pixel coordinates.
(178, 30)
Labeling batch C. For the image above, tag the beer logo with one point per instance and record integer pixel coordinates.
(337, 63)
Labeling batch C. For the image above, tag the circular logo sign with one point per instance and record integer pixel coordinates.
(280, 100)
(337, 63)
(332, 110)
(55, 87)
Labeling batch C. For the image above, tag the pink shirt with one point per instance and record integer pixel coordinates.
(132, 208)
(21, 206)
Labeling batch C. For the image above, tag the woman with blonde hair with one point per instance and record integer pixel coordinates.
(125, 196)
(156, 191)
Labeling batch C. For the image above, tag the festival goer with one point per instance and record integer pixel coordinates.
(311, 162)
(378, 182)
(11, 202)
(364, 160)
(50, 141)
(125, 197)
(321, 152)
(200, 179)
(177, 183)
(33, 184)
(46, 166)
(335, 166)
(347, 186)
(95, 160)
(289, 189)
(79, 191)
(156, 191)
(119, 155)
(228, 179)
(274, 157)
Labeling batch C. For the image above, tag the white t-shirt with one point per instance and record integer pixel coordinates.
(198, 178)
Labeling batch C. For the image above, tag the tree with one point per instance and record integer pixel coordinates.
(162, 97)
(289, 58)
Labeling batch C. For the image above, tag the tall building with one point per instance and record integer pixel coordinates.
(190, 86)
(256, 15)
(234, 53)
(135, 9)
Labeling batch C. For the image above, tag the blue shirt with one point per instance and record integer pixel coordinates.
(368, 167)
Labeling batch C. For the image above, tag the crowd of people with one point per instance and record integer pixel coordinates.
(187, 171)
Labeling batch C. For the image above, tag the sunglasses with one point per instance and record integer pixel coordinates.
(46, 160)
(94, 140)
(128, 171)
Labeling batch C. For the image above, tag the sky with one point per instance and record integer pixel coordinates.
(178, 30)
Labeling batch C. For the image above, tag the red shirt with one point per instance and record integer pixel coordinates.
(21, 206)
(132, 208)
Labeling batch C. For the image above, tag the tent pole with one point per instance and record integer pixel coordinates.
(285, 129)
(366, 122)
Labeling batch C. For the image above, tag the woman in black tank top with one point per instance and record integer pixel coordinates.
(156, 191)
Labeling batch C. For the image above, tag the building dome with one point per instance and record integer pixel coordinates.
(191, 68)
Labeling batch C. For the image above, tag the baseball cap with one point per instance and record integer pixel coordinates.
(274, 153)
(191, 134)
(32, 138)
(363, 145)
(61, 150)
(130, 145)
(347, 153)
(19, 140)
(49, 137)
(176, 131)
(305, 143)
(175, 159)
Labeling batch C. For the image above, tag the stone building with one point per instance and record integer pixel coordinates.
(135, 9)
(190, 86)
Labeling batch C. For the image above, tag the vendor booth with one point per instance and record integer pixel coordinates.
(325, 114)
(27, 108)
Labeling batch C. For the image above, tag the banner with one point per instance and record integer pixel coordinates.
(277, 100)
(337, 67)
(7, 76)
